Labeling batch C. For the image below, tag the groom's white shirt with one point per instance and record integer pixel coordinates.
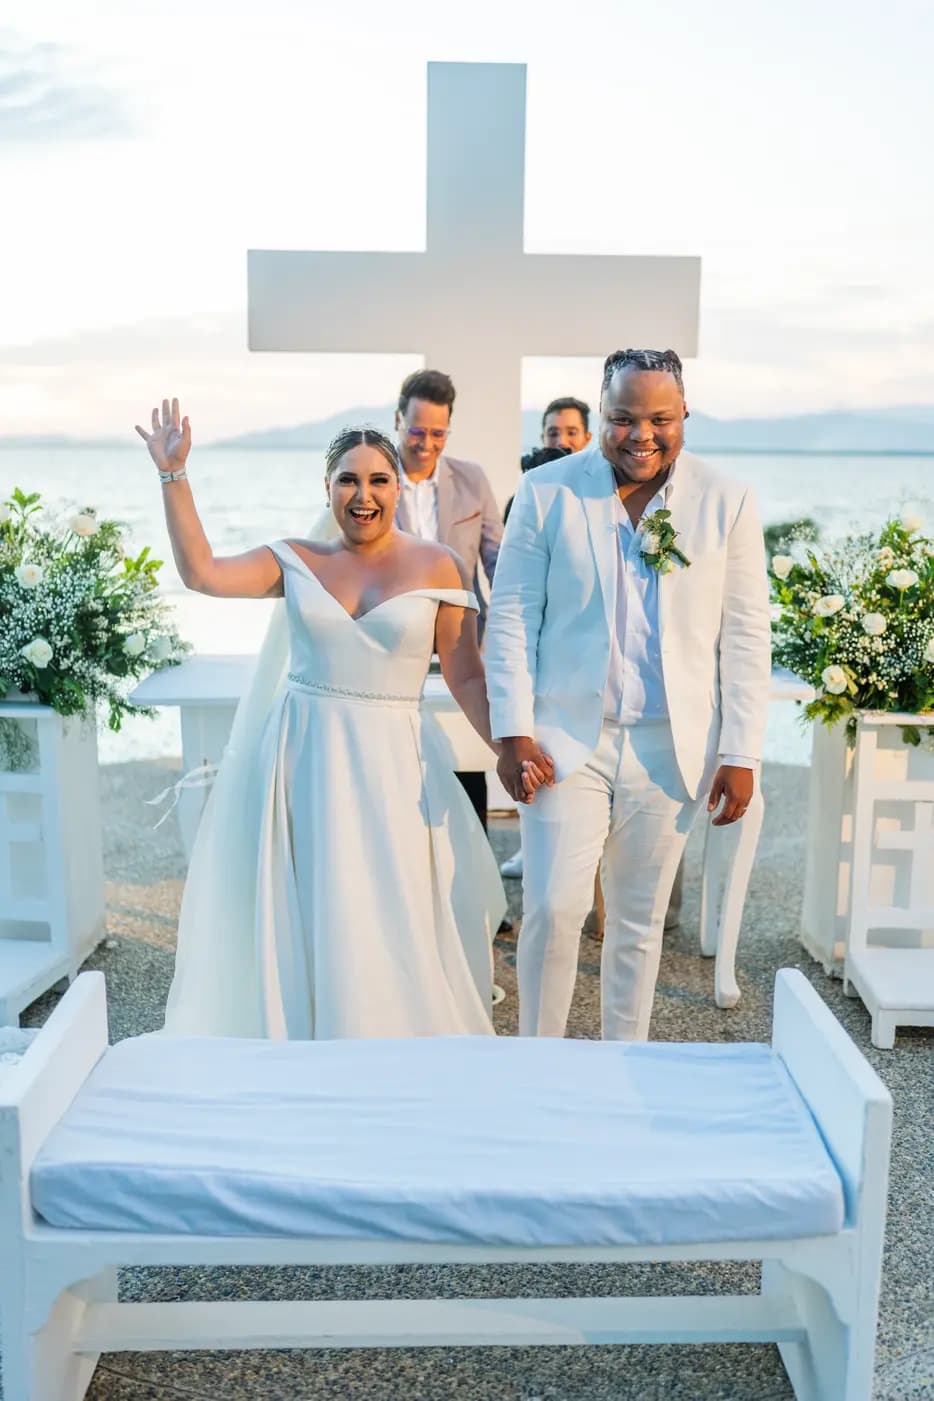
(553, 615)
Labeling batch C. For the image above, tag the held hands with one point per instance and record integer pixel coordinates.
(169, 443)
(735, 786)
(523, 768)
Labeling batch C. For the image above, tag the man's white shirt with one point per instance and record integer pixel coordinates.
(635, 686)
(421, 500)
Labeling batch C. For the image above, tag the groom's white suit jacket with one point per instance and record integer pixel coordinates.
(554, 606)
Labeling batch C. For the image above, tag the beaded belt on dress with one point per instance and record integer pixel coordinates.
(321, 688)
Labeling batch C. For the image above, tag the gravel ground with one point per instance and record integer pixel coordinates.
(145, 869)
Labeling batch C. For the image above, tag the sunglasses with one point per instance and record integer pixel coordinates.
(419, 435)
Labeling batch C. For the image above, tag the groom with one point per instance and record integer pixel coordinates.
(633, 647)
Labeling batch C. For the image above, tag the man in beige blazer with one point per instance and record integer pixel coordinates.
(445, 498)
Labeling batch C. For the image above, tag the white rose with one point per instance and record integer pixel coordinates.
(829, 604)
(886, 556)
(160, 648)
(911, 522)
(901, 579)
(29, 575)
(38, 652)
(874, 624)
(84, 523)
(135, 644)
(834, 679)
(782, 566)
(929, 651)
(651, 543)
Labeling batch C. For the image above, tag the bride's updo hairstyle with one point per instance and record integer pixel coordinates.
(350, 438)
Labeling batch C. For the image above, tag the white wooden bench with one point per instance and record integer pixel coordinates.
(819, 1292)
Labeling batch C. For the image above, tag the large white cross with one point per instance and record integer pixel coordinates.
(473, 303)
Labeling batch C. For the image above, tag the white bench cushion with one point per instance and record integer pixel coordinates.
(457, 1140)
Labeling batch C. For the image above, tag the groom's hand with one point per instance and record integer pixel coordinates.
(735, 786)
(523, 768)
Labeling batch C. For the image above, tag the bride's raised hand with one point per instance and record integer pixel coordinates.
(169, 443)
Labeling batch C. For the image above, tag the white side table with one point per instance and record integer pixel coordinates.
(51, 860)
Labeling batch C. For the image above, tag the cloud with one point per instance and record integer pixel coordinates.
(155, 339)
(47, 94)
(808, 333)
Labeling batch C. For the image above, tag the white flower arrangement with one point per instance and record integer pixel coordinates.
(79, 621)
(856, 620)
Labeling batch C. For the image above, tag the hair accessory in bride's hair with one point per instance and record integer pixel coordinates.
(349, 438)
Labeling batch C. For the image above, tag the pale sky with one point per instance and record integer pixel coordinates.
(144, 148)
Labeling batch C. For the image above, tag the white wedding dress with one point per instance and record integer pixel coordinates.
(351, 892)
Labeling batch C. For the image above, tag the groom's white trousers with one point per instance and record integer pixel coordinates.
(627, 808)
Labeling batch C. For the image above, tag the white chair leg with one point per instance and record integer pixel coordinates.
(883, 1031)
(719, 843)
(729, 853)
(726, 988)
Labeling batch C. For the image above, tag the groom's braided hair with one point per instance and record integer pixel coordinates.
(350, 438)
(668, 361)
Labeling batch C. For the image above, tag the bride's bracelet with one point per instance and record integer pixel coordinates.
(179, 476)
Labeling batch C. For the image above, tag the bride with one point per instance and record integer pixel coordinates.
(340, 884)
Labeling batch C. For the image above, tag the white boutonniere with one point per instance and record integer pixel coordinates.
(658, 543)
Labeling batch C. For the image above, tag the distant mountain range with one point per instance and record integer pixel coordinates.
(889, 430)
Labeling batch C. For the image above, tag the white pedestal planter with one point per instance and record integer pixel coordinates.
(869, 880)
(825, 912)
(889, 958)
(51, 864)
